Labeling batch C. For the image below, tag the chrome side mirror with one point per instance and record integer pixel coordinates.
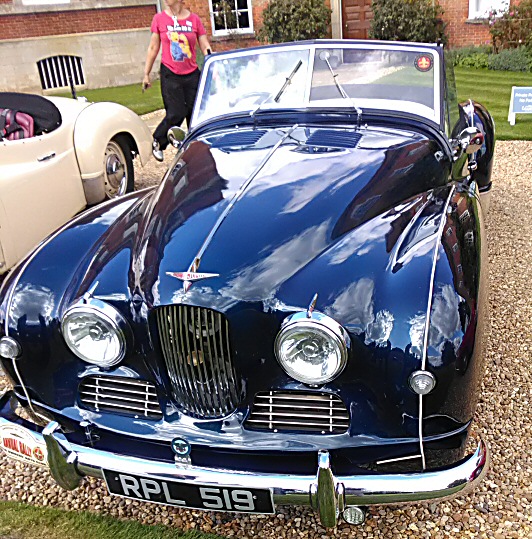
(471, 140)
(176, 136)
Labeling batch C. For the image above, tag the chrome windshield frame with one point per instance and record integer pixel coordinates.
(312, 47)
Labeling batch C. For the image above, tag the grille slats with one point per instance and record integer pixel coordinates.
(196, 348)
(122, 395)
(333, 138)
(296, 411)
(242, 138)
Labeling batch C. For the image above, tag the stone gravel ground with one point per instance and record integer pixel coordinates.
(500, 508)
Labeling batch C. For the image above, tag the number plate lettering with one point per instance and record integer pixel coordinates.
(205, 497)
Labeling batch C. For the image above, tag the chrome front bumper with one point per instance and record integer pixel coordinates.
(325, 492)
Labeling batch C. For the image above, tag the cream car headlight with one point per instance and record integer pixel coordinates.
(94, 331)
(312, 350)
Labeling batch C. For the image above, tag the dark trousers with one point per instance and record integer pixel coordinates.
(179, 92)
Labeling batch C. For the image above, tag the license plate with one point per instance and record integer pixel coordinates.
(206, 497)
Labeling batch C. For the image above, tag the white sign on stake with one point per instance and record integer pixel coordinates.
(520, 102)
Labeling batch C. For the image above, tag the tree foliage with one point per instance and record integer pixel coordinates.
(408, 20)
(291, 20)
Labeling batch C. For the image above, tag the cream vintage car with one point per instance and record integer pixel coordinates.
(79, 154)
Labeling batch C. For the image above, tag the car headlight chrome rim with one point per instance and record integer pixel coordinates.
(312, 349)
(95, 332)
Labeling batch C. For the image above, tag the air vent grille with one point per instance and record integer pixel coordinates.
(334, 138)
(277, 411)
(238, 139)
(196, 348)
(57, 71)
(121, 395)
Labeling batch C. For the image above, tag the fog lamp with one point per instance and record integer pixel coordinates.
(9, 348)
(422, 382)
(354, 515)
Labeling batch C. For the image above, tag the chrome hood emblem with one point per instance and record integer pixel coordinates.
(190, 275)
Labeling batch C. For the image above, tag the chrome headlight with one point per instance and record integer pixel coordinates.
(94, 331)
(312, 350)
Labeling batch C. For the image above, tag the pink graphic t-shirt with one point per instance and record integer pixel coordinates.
(178, 41)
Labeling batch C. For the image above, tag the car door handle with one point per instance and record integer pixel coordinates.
(46, 157)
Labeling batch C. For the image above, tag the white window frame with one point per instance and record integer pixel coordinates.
(230, 31)
(479, 9)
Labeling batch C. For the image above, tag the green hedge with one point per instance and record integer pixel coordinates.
(407, 20)
(519, 59)
(289, 20)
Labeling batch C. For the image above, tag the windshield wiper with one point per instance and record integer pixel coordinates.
(280, 92)
(325, 55)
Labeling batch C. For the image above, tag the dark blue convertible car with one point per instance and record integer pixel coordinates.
(294, 316)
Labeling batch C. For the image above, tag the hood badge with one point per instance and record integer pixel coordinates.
(190, 276)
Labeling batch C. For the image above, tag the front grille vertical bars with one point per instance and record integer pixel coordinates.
(196, 348)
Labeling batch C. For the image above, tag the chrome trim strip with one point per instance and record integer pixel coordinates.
(399, 459)
(194, 266)
(24, 389)
(427, 318)
(288, 489)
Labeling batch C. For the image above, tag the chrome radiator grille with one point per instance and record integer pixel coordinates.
(196, 349)
(279, 411)
(120, 395)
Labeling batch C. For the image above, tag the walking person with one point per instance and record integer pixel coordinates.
(177, 30)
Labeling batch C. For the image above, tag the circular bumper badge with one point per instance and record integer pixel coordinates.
(423, 62)
(181, 447)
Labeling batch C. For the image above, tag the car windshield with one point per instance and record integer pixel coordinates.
(396, 78)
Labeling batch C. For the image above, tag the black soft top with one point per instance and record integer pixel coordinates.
(46, 116)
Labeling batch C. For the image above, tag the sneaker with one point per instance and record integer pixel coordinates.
(156, 151)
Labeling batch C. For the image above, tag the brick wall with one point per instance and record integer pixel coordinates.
(201, 8)
(460, 30)
(74, 22)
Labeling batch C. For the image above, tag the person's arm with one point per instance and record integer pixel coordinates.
(153, 51)
(204, 44)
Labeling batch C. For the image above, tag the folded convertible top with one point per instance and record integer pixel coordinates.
(46, 115)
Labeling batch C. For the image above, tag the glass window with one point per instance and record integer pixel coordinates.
(479, 9)
(231, 17)
(383, 78)
(246, 81)
(375, 77)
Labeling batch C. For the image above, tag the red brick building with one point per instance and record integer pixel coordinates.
(102, 43)
(466, 19)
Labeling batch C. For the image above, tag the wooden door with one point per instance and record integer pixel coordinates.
(356, 17)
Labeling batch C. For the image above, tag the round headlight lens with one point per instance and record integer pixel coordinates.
(93, 333)
(312, 350)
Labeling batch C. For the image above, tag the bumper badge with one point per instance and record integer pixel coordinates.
(182, 449)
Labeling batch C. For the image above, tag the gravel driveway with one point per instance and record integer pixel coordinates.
(500, 508)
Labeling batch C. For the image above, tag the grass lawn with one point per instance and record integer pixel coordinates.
(131, 96)
(493, 90)
(21, 521)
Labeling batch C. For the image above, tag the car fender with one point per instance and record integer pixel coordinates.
(95, 126)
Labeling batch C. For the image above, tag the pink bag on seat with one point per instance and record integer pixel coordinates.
(15, 125)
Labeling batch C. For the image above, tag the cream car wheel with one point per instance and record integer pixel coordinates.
(118, 166)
